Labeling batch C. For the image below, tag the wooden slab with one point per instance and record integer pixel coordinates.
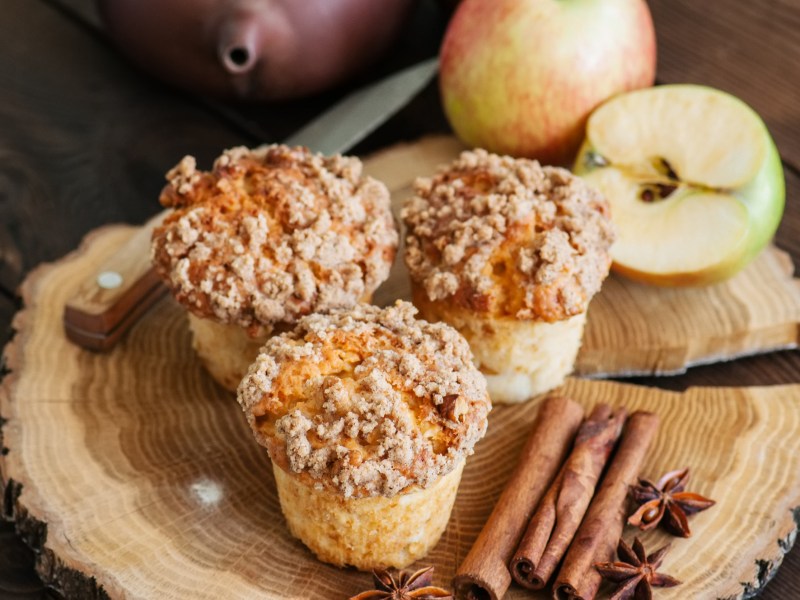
(134, 476)
(636, 329)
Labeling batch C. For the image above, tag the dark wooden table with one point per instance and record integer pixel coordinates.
(85, 140)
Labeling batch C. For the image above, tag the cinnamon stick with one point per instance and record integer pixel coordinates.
(484, 575)
(602, 526)
(561, 510)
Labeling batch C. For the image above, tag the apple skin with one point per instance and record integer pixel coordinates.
(764, 197)
(520, 77)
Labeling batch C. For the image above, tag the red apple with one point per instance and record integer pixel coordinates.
(521, 77)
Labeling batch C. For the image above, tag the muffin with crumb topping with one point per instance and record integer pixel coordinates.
(265, 237)
(510, 253)
(368, 415)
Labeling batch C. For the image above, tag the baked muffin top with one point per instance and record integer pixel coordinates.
(367, 401)
(508, 237)
(271, 234)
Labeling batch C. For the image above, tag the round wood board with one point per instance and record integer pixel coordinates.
(134, 476)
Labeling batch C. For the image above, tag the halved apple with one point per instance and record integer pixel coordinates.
(694, 180)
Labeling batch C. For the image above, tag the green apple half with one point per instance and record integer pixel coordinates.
(694, 180)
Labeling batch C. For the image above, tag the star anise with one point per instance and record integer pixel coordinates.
(636, 573)
(666, 498)
(403, 585)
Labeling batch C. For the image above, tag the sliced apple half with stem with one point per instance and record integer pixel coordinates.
(694, 180)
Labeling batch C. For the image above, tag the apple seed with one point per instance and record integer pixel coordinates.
(656, 191)
(663, 166)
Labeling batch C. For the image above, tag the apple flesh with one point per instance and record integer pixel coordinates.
(521, 77)
(694, 181)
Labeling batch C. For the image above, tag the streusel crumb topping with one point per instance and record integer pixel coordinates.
(508, 237)
(271, 234)
(367, 401)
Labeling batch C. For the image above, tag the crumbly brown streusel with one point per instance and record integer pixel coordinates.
(368, 401)
(272, 234)
(508, 237)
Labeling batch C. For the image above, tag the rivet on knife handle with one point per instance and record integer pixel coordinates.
(109, 301)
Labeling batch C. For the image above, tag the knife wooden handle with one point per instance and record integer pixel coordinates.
(112, 299)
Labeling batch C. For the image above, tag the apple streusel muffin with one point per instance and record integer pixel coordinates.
(509, 253)
(265, 237)
(368, 415)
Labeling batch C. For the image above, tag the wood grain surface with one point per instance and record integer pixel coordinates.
(175, 499)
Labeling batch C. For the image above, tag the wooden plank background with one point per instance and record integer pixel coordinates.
(747, 48)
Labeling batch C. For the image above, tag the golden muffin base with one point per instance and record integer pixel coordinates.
(519, 358)
(226, 351)
(367, 533)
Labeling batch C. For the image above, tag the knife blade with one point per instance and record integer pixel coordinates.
(107, 303)
(352, 119)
